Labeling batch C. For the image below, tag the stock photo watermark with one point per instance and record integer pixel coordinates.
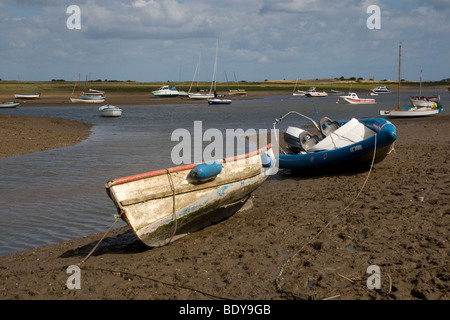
(74, 280)
(374, 21)
(189, 148)
(74, 20)
(374, 280)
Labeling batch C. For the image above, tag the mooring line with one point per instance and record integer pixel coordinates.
(277, 279)
(98, 243)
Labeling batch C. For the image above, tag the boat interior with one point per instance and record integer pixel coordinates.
(331, 136)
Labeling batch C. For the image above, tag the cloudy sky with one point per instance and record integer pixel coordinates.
(161, 40)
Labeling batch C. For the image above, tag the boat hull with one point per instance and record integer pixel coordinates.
(166, 92)
(353, 98)
(111, 113)
(355, 155)
(164, 95)
(316, 95)
(359, 101)
(382, 89)
(27, 96)
(201, 96)
(164, 205)
(422, 102)
(9, 104)
(219, 101)
(87, 100)
(420, 112)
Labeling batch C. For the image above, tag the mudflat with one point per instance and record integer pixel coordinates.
(23, 134)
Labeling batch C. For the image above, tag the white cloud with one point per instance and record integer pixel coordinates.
(315, 38)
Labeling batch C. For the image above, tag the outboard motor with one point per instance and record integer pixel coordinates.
(299, 140)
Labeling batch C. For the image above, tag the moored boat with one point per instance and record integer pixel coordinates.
(412, 112)
(381, 89)
(85, 99)
(422, 101)
(92, 94)
(164, 205)
(237, 92)
(353, 98)
(10, 104)
(201, 95)
(299, 93)
(337, 146)
(27, 96)
(219, 101)
(110, 111)
(312, 93)
(166, 91)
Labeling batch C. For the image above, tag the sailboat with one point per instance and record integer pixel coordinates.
(414, 111)
(217, 99)
(422, 101)
(199, 94)
(90, 96)
(300, 93)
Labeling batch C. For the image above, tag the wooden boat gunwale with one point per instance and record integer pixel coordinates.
(118, 181)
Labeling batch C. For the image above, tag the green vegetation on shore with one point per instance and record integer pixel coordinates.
(268, 85)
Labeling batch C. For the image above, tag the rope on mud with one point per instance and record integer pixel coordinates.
(98, 243)
(277, 279)
(168, 284)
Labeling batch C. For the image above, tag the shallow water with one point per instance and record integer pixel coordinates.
(56, 195)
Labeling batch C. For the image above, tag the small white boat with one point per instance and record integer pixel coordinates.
(166, 91)
(237, 92)
(219, 101)
(408, 112)
(27, 96)
(421, 101)
(312, 93)
(94, 93)
(381, 89)
(299, 93)
(11, 104)
(90, 96)
(201, 95)
(110, 111)
(353, 98)
(87, 100)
